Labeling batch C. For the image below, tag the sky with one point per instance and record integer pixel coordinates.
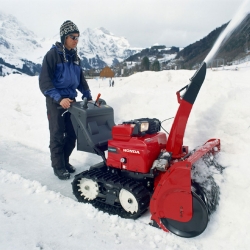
(142, 22)
(38, 211)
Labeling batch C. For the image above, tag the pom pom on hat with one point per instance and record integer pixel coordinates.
(67, 28)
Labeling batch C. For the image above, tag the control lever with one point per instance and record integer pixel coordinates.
(84, 103)
(96, 101)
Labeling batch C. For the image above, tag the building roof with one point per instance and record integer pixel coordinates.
(107, 72)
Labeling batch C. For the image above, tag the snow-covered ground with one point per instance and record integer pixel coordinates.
(39, 211)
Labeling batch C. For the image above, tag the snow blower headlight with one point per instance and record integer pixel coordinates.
(140, 128)
(143, 127)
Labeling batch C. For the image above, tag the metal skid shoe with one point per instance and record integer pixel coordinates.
(195, 226)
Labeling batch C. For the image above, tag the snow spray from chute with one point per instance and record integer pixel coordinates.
(240, 15)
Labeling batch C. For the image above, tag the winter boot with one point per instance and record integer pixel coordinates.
(70, 168)
(62, 174)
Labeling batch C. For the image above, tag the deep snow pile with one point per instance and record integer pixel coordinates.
(38, 211)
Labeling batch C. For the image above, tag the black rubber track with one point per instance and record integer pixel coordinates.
(106, 178)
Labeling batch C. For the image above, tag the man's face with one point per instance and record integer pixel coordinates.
(71, 41)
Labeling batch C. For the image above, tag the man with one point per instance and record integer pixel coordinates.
(61, 75)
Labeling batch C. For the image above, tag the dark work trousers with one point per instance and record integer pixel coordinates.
(62, 134)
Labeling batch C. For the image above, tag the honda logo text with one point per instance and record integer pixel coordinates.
(131, 151)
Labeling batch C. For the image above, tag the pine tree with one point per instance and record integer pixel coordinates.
(145, 63)
(156, 66)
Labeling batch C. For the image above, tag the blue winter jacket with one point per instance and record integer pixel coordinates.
(60, 78)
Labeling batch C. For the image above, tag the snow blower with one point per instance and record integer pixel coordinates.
(146, 169)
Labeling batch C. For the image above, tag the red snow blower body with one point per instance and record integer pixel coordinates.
(144, 167)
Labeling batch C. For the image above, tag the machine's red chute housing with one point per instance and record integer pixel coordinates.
(176, 135)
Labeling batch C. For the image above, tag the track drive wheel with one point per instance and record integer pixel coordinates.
(128, 201)
(195, 226)
(134, 199)
(85, 189)
(88, 188)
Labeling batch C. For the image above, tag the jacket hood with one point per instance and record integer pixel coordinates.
(59, 47)
(66, 53)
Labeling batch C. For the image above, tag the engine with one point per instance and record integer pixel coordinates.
(134, 146)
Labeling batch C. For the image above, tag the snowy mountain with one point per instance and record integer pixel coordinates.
(21, 51)
(99, 47)
(17, 47)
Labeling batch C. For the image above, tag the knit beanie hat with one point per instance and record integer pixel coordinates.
(67, 28)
